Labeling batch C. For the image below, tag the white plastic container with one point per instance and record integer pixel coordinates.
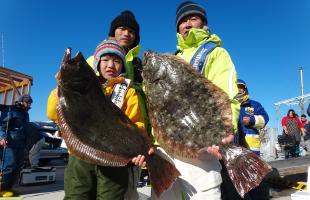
(303, 195)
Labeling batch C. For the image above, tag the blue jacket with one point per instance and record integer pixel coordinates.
(307, 127)
(258, 119)
(17, 119)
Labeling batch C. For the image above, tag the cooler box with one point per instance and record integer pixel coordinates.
(38, 175)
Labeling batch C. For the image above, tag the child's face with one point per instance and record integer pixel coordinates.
(110, 66)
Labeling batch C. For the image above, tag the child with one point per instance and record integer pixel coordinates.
(88, 181)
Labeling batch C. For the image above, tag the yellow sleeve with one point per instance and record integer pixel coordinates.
(51, 106)
(220, 69)
(132, 109)
(90, 60)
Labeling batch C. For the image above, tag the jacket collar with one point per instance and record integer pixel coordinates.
(132, 53)
(195, 38)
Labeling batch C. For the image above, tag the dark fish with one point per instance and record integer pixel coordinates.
(190, 113)
(97, 131)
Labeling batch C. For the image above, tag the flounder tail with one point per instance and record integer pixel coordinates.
(161, 172)
(245, 168)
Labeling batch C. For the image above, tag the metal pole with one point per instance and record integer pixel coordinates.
(302, 91)
(277, 119)
(2, 49)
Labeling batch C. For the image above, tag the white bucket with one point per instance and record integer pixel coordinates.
(303, 195)
(300, 195)
(308, 180)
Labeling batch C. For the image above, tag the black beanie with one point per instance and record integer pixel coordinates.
(126, 18)
(189, 8)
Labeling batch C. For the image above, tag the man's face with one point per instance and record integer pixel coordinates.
(25, 105)
(303, 119)
(188, 22)
(241, 88)
(125, 36)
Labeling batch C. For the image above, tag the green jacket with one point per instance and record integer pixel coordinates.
(218, 68)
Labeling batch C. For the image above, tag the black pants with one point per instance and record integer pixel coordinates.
(229, 192)
(292, 150)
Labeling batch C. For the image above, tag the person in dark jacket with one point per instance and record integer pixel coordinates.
(306, 136)
(13, 121)
(252, 118)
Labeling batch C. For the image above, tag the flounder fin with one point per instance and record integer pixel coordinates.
(67, 55)
(84, 151)
(161, 172)
(245, 168)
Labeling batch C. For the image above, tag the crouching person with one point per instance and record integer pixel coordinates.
(34, 143)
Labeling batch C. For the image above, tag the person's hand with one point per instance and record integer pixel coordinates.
(58, 134)
(246, 120)
(56, 93)
(303, 131)
(3, 142)
(140, 159)
(215, 150)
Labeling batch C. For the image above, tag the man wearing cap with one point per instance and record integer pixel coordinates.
(125, 30)
(13, 119)
(201, 177)
(252, 118)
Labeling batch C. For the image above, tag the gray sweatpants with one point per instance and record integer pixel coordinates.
(307, 144)
(34, 153)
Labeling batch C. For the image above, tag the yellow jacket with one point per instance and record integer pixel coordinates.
(219, 67)
(130, 107)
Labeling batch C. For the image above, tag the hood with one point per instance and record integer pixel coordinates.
(132, 53)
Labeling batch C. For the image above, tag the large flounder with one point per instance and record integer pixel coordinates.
(190, 113)
(96, 130)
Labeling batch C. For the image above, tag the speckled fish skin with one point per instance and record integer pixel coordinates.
(189, 113)
(192, 111)
(96, 130)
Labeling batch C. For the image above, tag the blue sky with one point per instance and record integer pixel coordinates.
(267, 39)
